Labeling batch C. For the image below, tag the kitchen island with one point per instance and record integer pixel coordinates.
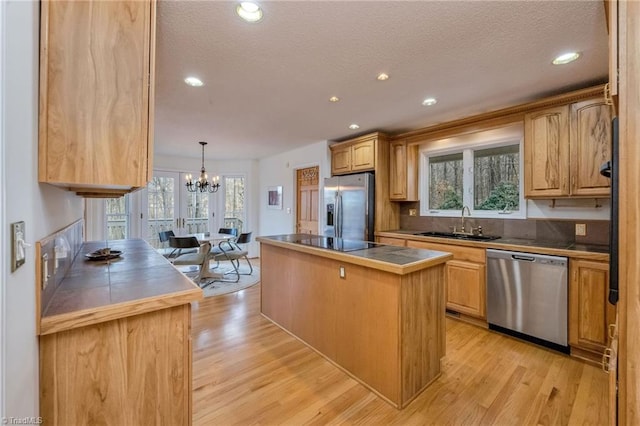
(115, 343)
(376, 311)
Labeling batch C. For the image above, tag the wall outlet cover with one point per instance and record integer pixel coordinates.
(581, 229)
(413, 212)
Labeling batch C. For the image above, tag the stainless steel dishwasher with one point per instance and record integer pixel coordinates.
(527, 296)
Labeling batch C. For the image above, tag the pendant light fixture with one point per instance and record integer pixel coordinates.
(202, 184)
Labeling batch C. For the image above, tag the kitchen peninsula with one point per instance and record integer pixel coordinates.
(376, 311)
(115, 342)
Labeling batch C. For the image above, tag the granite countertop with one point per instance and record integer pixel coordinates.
(140, 280)
(398, 260)
(571, 249)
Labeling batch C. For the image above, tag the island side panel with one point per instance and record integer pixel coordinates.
(423, 329)
(353, 321)
(368, 331)
(133, 370)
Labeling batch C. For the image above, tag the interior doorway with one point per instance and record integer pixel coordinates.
(307, 200)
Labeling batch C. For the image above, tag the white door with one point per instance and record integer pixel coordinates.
(169, 206)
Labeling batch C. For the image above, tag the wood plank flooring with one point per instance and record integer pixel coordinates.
(248, 371)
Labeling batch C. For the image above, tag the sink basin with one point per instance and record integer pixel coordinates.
(458, 236)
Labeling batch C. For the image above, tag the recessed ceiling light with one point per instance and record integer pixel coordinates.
(566, 58)
(334, 99)
(429, 101)
(382, 76)
(249, 11)
(354, 126)
(193, 81)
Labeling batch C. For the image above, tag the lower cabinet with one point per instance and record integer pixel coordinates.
(128, 371)
(466, 277)
(590, 313)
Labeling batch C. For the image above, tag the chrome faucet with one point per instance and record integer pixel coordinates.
(462, 217)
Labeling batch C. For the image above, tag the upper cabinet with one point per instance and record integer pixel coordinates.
(611, 9)
(357, 155)
(403, 172)
(96, 95)
(564, 147)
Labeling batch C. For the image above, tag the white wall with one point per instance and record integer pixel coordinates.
(280, 170)
(44, 208)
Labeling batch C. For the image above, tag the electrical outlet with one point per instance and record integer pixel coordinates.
(413, 212)
(581, 229)
(342, 272)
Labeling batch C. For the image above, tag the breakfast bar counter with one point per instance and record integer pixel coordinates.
(375, 311)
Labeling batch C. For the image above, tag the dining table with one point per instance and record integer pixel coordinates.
(208, 240)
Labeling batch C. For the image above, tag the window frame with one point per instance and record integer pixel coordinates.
(467, 151)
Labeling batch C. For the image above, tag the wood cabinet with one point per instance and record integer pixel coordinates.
(466, 278)
(590, 147)
(589, 311)
(134, 370)
(400, 242)
(369, 153)
(96, 95)
(611, 9)
(564, 147)
(358, 155)
(403, 172)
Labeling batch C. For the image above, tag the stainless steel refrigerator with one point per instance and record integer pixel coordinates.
(349, 206)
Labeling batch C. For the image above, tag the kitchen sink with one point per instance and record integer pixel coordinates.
(458, 236)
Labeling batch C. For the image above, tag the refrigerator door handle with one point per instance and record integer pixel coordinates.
(338, 225)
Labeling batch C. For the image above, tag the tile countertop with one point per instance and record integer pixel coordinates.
(140, 280)
(557, 248)
(394, 259)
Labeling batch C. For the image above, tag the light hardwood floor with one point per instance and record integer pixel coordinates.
(248, 371)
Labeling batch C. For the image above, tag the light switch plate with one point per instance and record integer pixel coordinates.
(581, 229)
(413, 212)
(17, 245)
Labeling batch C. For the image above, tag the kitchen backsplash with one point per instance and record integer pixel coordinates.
(533, 229)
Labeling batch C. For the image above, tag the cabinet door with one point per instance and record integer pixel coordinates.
(590, 147)
(340, 160)
(403, 172)
(363, 155)
(546, 152)
(466, 289)
(589, 311)
(95, 88)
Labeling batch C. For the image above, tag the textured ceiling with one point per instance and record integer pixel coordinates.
(267, 84)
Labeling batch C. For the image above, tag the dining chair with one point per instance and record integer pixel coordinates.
(164, 249)
(230, 250)
(198, 257)
(178, 247)
(230, 231)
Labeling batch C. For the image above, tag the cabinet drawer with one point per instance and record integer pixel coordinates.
(470, 254)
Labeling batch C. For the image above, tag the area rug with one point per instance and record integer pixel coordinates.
(217, 288)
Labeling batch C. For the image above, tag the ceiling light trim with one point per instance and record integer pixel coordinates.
(249, 11)
(193, 81)
(565, 58)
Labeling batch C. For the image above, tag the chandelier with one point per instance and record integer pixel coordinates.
(202, 184)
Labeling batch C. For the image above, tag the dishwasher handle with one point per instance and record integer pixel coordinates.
(521, 257)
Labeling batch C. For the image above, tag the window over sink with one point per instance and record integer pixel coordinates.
(485, 175)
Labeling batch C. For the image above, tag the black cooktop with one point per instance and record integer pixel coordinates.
(331, 243)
